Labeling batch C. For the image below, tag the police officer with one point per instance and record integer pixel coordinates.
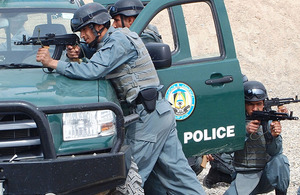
(122, 57)
(260, 166)
(124, 12)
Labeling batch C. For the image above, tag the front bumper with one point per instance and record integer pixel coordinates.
(82, 174)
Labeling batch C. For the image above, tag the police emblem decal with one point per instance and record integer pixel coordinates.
(182, 98)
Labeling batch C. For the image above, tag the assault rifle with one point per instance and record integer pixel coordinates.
(60, 42)
(272, 115)
(279, 102)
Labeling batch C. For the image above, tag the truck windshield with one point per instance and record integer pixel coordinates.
(23, 25)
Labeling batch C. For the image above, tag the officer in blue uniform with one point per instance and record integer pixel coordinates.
(123, 58)
(124, 12)
(260, 167)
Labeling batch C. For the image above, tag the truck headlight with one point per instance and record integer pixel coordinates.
(82, 125)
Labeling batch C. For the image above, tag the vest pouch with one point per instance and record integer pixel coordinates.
(148, 98)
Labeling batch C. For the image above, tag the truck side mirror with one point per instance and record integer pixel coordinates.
(160, 54)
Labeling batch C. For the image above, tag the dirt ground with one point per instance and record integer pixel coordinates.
(267, 40)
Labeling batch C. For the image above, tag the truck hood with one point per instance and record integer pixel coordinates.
(41, 89)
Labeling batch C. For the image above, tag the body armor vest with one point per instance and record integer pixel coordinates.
(254, 155)
(150, 34)
(129, 79)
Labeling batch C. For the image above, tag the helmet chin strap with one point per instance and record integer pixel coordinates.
(122, 20)
(97, 34)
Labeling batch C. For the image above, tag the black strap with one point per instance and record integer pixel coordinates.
(116, 9)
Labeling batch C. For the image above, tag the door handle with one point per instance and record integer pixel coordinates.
(223, 80)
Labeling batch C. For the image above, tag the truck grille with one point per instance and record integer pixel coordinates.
(18, 136)
(25, 129)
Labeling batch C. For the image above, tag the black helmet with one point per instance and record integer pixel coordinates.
(91, 13)
(245, 78)
(254, 91)
(126, 8)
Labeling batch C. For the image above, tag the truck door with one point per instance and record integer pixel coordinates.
(204, 82)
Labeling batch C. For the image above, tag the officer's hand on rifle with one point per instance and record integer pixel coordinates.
(73, 52)
(252, 126)
(43, 56)
(209, 157)
(275, 128)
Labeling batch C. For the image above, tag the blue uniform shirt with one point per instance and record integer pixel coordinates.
(115, 50)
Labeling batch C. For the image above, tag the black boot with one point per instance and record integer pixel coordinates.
(278, 192)
(214, 176)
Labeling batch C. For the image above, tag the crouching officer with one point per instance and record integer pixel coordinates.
(260, 167)
(122, 57)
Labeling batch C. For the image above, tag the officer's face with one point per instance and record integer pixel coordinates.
(254, 106)
(87, 33)
(126, 20)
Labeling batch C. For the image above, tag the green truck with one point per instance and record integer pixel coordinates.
(65, 136)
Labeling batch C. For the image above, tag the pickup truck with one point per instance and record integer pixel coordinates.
(65, 136)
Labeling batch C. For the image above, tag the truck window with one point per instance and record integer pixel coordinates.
(2, 36)
(52, 18)
(201, 30)
(198, 22)
(31, 23)
(163, 24)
